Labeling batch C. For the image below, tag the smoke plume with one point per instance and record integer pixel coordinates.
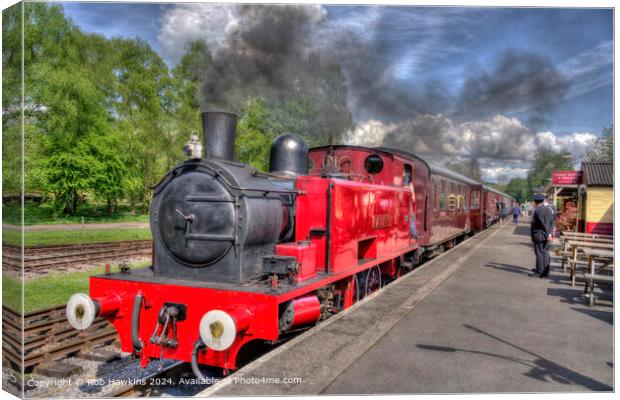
(265, 53)
(520, 82)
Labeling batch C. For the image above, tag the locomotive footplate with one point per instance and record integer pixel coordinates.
(146, 275)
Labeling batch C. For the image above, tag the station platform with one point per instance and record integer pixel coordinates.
(469, 321)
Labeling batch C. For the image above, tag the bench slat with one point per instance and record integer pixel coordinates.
(596, 277)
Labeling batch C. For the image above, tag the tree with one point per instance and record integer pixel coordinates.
(45, 33)
(109, 169)
(255, 132)
(545, 162)
(72, 129)
(603, 147)
(469, 168)
(186, 78)
(11, 99)
(315, 106)
(519, 189)
(142, 106)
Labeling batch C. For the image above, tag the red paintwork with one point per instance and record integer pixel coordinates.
(448, 220)
(264, 325)
(476, 208)
(307, 310)
(491, 212)
(108, 305)
(600, 228)
(305, 255)
(367, 226)
(560, 178)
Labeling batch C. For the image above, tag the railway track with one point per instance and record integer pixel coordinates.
(145, 386)
(40, 258)
(47, 336)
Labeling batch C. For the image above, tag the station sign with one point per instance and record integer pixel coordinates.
(563, 178)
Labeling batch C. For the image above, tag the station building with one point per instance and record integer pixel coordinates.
(591, 192)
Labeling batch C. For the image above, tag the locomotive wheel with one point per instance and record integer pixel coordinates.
(370, 281)
(358, 293)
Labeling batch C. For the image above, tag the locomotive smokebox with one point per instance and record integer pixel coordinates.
(289, 156)
(219, 130)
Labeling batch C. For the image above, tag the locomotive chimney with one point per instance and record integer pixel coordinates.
(219, 130)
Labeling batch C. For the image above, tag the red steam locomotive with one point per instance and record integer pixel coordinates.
(242, 256)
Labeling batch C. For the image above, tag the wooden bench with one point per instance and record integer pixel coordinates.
(589, 284)
(585, 235)
(573, 266)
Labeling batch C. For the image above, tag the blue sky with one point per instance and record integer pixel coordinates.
(443, 47)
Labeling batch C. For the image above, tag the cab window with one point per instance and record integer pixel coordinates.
(407, 175)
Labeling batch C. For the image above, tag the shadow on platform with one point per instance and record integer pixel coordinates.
(541, 368)
(522, 230)
(508, 268)
(606, 316)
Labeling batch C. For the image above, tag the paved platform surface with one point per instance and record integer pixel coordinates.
(469, 321)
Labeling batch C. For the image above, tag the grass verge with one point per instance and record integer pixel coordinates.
(50, 290)
(46, 213)
(40, 238)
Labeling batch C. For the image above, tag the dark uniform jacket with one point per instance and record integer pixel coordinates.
(542, 224)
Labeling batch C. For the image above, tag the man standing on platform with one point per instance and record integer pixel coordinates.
(542, 229)
(516, 213)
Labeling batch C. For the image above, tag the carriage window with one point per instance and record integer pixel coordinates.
(475, 200)
(442, 201)
(443, 195)
(466, 198)
(373, 164)
(452, 201)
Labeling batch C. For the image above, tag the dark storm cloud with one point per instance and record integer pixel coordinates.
(520, 81)
(389, 59)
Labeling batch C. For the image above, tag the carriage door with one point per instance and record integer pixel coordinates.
(412, 208)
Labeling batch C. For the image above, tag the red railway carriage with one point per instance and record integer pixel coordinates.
(242, 256)
(494, 201)
(450, 204)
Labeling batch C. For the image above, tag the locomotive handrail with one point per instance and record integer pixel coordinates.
(223, 179)
(210, 199)
(207, 236)
(268, 175)
(218, 175)
(135, 323)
